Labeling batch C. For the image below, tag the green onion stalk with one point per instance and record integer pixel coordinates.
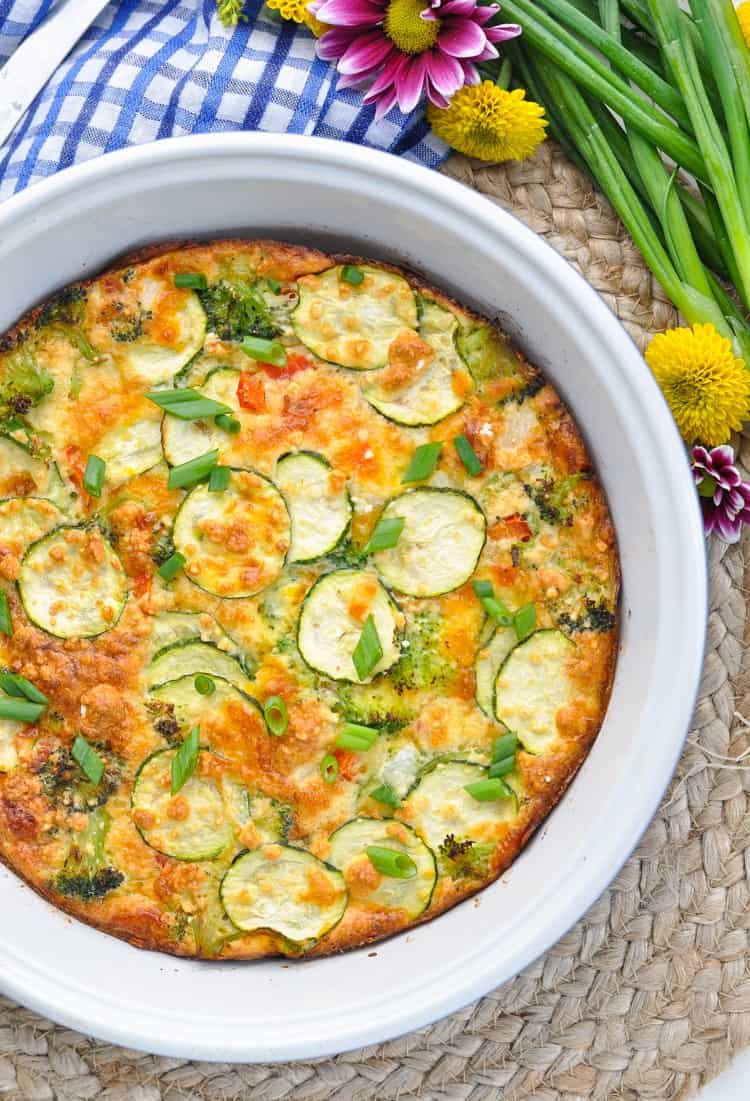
(654, 102)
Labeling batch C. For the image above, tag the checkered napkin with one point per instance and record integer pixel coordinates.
(149, 69)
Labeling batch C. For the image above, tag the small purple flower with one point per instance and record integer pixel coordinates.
(724, 497)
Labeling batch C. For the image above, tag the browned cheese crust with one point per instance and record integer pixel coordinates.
(74, 375)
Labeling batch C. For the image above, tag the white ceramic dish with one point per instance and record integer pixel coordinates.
(334, 194)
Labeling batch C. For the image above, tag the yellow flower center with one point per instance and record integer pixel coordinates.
(406, 30)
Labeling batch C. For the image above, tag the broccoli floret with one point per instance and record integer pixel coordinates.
(597, 617)
(64, 783)
(272, 818)
(235, 310)
(85, 874)
(422, 665)
(163, 547)
(163, 720)
(23, 382)
(65, 314)
(127, 328)
(465, 858)
(378, 704)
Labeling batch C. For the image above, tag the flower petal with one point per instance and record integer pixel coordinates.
(435, 97)
(350, 13)
(365, 51)
(503, 32)
(464, 7)
(384, 104)
(386, 78)
(729, 530)
(333, 44)
(461, 38)
(410, 82)
(445, 73)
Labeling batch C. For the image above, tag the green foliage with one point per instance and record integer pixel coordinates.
(235, 309)
(231, 12)
(463, 859)
(23, 382)
(422, 665)
(85, 874)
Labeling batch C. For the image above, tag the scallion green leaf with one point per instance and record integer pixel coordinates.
(193, 471)
(185, 760)
(6, 623)
(16, 685)
(228, 423)
(88, 759)
(218, 482)
(501, 768)
(368, 651)
(329, 768)
(23, 711)
(172, 566)
(273, 284)
(93, 476)
(352, 274)
(468, 456)
(505, 745)
(423, 462)
(386, 534)
(276, 715)
(385, 794)
(188, 405)
(489, 791)
(391, 862)
(191, 280)
(357, 737)
(267, 351)
(204, 685)
(524, 621)
(492, 605)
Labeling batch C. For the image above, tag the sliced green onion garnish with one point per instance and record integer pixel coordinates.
(204, 685)
(89, 760)
(267, 351)
(524, 621)
(489, 791)
(16, 685)
(219, 480)
(491, 604)
(354, 736)
(185, 760)
(329, 768)
(504, 746)
(468, 456)
(352, 274)
(391, 862)
(386, 794)
(368, 651)
(193, 471)
(191, 280)
(172, 566)
(423, 461)
(273, 284)
(187, 405)
(228, 423)
(276, 715)
(23, 711)
(93, 477)
(386, 534)
(502, 768)
(6, 624)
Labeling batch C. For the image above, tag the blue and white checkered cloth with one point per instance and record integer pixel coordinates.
(149, 69)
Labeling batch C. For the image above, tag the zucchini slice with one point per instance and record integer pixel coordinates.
(72, 584)
(130, 449)
(443, 535)
(185, 659)
(439, 806)
(25, 475)
(489, 659)
(369, 888)
(185, 440)
(532, 685)
(169, 628)
(23, 520)
(439, 390)
(353, 325)
(331, 621)
(158, 332)
(8, 755)
(320, 511)
(286, 890)
(190, 706)
(235, 542)
(194, 824)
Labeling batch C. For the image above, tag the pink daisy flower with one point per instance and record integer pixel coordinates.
(405, 50)
(724, 497)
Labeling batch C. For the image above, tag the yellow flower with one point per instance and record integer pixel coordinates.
(707, 387)
(487, 122)
(296, 11)
(743, 14)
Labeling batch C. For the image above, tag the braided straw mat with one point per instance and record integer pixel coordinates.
(649, 995)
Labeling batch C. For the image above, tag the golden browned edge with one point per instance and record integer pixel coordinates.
(379, 925)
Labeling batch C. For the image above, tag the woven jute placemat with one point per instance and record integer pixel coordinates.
(648, 996)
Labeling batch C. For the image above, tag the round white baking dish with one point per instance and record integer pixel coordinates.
(334, 194)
